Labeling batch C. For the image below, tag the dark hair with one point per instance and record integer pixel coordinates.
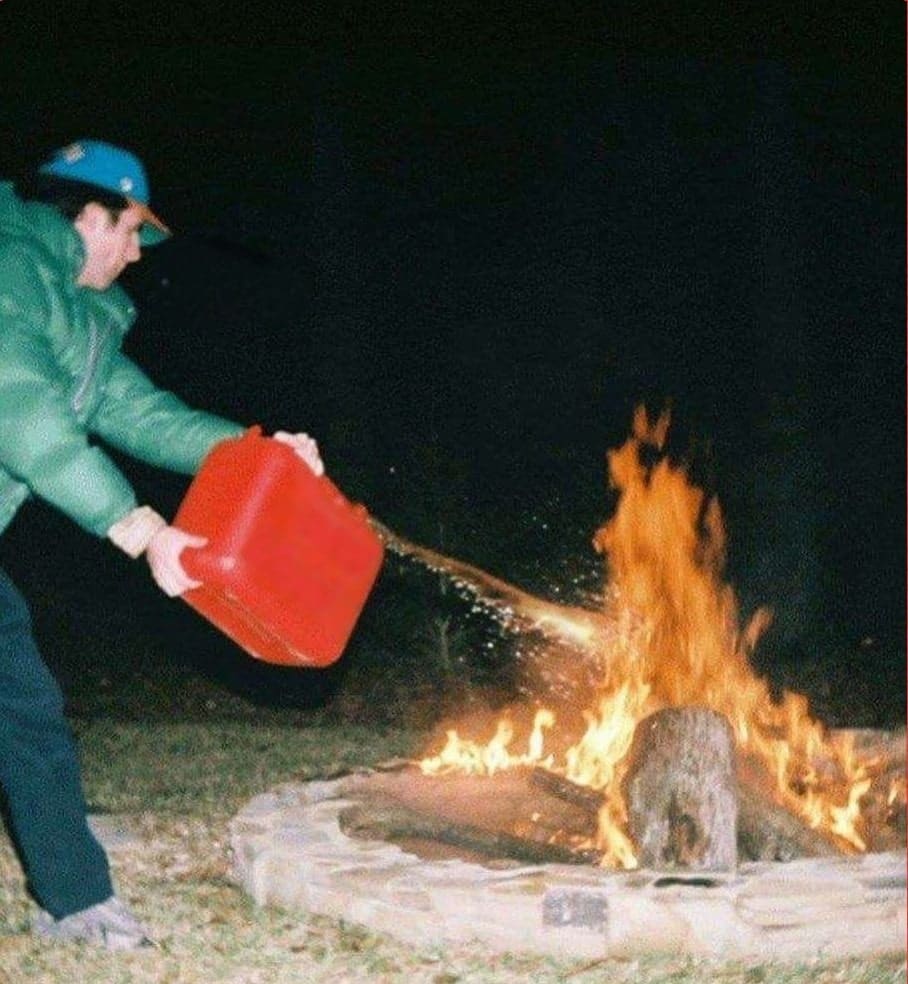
(69, 197)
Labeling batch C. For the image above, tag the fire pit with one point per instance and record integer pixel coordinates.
(433, 860)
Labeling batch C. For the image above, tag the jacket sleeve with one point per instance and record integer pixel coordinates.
(41, 442)
(152, 424)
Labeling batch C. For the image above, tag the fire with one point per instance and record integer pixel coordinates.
(675, 640)
(459, 755)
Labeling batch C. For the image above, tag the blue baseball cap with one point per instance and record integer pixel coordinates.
(113, 169)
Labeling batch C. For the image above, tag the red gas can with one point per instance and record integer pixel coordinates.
(289, 562)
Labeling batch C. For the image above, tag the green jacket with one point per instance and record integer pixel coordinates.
(63, 380)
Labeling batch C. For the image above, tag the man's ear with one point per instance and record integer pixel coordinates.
(93, 216)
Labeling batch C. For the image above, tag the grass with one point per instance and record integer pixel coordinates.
(177, 785)
(207, 770)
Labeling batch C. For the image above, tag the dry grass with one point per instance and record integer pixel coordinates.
(175, 787)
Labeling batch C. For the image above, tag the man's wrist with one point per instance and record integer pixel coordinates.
(135, 530)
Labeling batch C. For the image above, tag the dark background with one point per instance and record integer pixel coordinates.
(460, 250)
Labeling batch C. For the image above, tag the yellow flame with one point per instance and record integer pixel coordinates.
(592, 761)
(470, 757)
(675, 640)
(844, 817)
(544, 719)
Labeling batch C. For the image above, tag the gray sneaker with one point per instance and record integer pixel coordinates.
(109, 924)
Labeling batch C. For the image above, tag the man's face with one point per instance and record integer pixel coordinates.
(109, 244)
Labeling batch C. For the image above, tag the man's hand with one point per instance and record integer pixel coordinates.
(305, 447)
(144, 531)
(163, 556)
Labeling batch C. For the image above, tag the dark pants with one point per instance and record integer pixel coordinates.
(65, 866)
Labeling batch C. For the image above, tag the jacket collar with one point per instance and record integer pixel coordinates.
(62, 251)
(43, 224)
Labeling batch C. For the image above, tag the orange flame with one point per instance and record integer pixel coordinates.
(677, 641)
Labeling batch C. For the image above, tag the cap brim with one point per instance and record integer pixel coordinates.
(151, 235)
(152, 231)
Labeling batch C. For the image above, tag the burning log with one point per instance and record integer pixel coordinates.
(585, 797)
(681, 790)
(768, 831)
(397, 822)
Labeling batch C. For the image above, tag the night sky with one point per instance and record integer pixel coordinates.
(460, 252)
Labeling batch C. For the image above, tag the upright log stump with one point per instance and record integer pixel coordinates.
(681, 790)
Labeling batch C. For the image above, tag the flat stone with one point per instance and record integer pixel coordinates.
(570, 907)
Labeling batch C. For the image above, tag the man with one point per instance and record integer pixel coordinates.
(65, 237)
